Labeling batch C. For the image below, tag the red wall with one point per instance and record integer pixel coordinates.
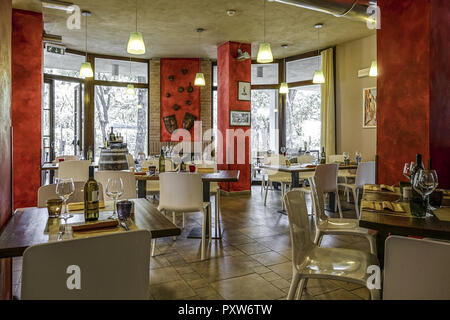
(229, 72)
(26, 105)
(412, 115)
(173, 66)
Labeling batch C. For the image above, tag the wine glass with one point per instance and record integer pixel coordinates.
(283, 150)
(64, 189)
(425, 182)
(358, 156)
(407, 170)
(114, 189)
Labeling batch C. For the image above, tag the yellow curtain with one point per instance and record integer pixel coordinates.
(328, 138)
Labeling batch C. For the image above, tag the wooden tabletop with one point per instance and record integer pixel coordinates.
(54, 166)
(218, 176)
(27, 226)
(302, 167)
(427, 227)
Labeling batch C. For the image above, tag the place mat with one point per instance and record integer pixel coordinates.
(78, 206)
(400, 209)
(382, 188)
(443, 214)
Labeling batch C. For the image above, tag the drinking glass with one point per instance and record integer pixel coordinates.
(407, 170)
(425, 182)
(114, 189)
(64, 189)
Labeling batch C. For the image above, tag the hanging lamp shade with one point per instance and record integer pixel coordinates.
(373, 72)
(199, 80)
(130, 90)
(318, 77)
(86, 70)
(264, 53)
(284, 89)
(136, 43)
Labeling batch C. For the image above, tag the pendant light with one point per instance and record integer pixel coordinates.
(199, 77)
(284, 88)
(318, 75)
(130, 87)
(136, 43)
(86, 68)
(264, 52)
(373, 72)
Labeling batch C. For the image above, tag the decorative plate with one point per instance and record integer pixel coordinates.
(184, 71)
(190, 88)
(188, 121)
(176, 107)
(180, 89)
(171, 123)
(168, 95)
(171, 78)
(188, 102)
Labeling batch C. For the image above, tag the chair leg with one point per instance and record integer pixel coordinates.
(347, 193)
(301, 287)
(184, 222)
(338, 201)
(153, 247)
(313, 205)
(373, 244)
(294, 285)
(174, 222)
(355, 198)
(318, 237)
(375, 294)
(217, 220)
(262, 182)
(210, 223)
(283, 191)
(203, 235)
(267, 189)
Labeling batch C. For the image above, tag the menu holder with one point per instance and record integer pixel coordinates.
(383, 206)
(95, 226)
(77, 206)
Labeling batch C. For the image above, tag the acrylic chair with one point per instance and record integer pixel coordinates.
(78, 170)
(365, 174)
(416, 269)
(152, 186)
(183, 192)
(49, 192)
(130, 161)
(336, 226)
(66, 158)
(110, 267)
(128, 180)
(312, 261)
(283, 178)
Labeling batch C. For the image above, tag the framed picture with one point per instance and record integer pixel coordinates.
(240, 118)
(244, 93)
(370, 107)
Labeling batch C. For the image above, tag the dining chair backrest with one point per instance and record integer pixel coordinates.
(180, 191)
(78, 170)
(416, 269)
(107, 267)
(365, 174)
(128, 180)
(319, 201)
(155, 162)
(275, 160)
(336, 158)
(301, 242)
(305, 158)
(326, 176)
(49, 192)
(130, 160)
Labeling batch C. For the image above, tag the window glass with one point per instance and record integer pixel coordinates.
(265, 73)
(303, 69)
(120, 70)
(264, 121)
(63, 65)
(215, 81)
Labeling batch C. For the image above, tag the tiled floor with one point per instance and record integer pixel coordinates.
(252, 261)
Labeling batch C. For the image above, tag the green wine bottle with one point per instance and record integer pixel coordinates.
(91, 196)
(323, 156)
(162, 162)
(417, 168)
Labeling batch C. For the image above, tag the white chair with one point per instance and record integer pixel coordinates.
(336, 226)
(183, 192)
(49, 192)
(110, 267)
(152, 186)
(311, 261)
(130, 161)
(416, 269)
(128, 180)
(326, 176)
(283, 178)
(66, 158)
(365, 174)
(78, 170)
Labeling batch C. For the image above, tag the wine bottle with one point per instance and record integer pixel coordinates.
(417, 168)
(323, 156)
(90, 154)
(112, 136)
(91, 196)
(162, 162)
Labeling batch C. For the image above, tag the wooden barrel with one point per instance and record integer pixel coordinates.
(113, 159)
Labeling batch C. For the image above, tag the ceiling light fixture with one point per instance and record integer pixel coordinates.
(199, 77)
(318, 74)
(86, 68)
(284, 88)
(130, 87)
(57, 5)
(136, 43)
(373, 72)
(231, 12)
(264, 52)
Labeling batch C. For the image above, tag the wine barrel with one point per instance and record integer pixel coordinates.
(113, 159)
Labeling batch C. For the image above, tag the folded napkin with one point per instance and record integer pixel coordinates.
(381, 187)
(382, 206)
(140, 173)
(95, 225)
(77, 206)
(311, 166)
(205, 170)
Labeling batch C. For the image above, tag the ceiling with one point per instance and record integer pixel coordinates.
(168, 26)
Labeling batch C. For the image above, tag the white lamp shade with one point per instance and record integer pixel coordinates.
(136, 43)
(130, 90)
(199, 80)
(318, 77)
(284, 89)
(86, 70)
(264, 53)
(373, 72)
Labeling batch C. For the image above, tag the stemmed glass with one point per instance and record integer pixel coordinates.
(407, 170)
(358, 156)
(114, 189)
(425, 182)
(64, 189)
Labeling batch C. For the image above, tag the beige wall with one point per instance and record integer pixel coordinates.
(350, 135)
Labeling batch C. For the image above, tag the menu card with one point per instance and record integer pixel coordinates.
(381, 187)
(395, 207)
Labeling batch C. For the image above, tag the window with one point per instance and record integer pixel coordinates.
(127, 114)
(63, 65)
(214, 105)
(264, 121)
(303, 69)
(303, 122)
(120, 70)
(265, 73)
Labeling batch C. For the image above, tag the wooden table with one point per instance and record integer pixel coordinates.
(27, 226)
(386, 224)
(207, 178)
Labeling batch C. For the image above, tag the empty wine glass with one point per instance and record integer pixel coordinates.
(64, 189)
(425, 182)
(358, 156)
(114, 189)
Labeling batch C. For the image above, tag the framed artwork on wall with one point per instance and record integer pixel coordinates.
(370, 107)
(240, 118)
(244, 93)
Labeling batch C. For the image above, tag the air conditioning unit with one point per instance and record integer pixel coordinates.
(363, 73)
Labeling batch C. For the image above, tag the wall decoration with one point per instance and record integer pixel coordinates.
(244, 93)
(240, 118)
(190, 88)
(188, 102)
(180, 89)
(188, 121)
(184, 71)
(176, 107)
(168, 95)
(370, 107)
(171, 78)
(171, 123)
